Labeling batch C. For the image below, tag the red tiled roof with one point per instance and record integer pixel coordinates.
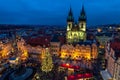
(62, 39)
(79, 76)
(115, 45)
(70, 66)
(41, 40)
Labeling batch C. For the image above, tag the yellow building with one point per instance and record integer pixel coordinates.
(22, 48)
(76, 32)
(79, 51)
(5, 49)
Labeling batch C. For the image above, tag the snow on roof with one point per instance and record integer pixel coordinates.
(105, 75)
(13, 58)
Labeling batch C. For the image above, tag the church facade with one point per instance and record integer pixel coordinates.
(76, 32)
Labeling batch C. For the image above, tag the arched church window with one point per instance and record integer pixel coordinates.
(69, 25)
(81, 25)
(75, 35)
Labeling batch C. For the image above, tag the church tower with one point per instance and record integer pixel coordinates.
(82, 24)
(70, 23)
(82, 20)
(76, 32)
(70, 20)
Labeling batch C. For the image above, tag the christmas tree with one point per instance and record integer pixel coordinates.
(47, 64)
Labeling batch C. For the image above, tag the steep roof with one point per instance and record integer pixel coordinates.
(82, 15)
(70, 16)
(55, 38)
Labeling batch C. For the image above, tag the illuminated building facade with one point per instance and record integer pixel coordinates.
(112, 56)
(5, 49)
(55, 45)
(28, 51)
(35, 53)
(76, 32)
(22, 48)
(55, 48)
(79, 51)
(117, 70)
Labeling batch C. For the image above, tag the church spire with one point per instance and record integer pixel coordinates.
(70, 15)
(82, 14)
(83, 11)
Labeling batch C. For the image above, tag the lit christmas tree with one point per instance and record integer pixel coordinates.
(47, 63)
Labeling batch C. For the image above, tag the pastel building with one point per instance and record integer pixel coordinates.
(117, 70)
(112, 56)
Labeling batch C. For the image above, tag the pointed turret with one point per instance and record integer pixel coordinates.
(70, 17)
(82, 15)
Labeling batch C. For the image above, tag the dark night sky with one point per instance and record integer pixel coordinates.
(54, 12)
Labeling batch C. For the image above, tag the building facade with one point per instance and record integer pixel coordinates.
(117, 70)
(102, 38)
(79, 51)
(112, 56)
(76, 32)
(5, 49)
(55, 48)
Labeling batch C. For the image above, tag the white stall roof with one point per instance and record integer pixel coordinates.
(105, 75)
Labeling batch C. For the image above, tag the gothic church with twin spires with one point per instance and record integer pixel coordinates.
(76, 32)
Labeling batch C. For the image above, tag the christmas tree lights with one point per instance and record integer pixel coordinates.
(47, 63)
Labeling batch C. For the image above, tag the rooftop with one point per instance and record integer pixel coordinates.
(105, 75)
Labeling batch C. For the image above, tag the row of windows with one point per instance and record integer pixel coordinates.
(54, 50)
(54, 46)
(75, 34)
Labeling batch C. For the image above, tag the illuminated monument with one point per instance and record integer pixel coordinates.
(76, 32)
